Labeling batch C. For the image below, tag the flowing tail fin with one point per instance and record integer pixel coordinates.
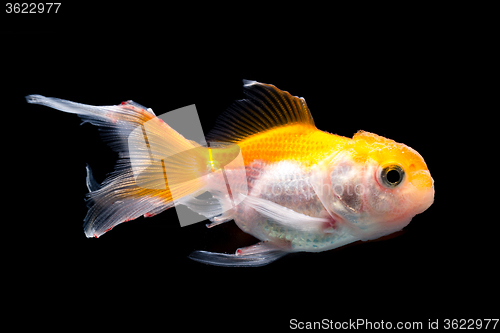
(138, 185)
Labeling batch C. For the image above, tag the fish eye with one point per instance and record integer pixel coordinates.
(392, 175)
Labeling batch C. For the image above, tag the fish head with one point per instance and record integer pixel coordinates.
(375, 185)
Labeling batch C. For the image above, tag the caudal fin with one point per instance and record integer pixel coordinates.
(138, 185)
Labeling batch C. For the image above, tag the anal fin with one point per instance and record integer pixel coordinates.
(256, 255)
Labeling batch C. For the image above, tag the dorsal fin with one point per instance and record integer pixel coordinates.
(266, 107)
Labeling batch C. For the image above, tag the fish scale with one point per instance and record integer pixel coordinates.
(294, 142)
(277, 182)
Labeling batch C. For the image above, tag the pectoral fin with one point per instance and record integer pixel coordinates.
(285, 216)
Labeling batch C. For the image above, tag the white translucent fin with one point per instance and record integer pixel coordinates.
(219, 220)
(120, 197)
(256, 255)
(92, 185)
(206, 207)
(286, 216)
(159, 209)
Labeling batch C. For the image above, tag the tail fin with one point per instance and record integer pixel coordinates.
(138, 185)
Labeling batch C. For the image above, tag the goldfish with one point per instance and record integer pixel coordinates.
(297, 188)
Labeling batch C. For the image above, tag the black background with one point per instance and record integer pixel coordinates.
(404, 84)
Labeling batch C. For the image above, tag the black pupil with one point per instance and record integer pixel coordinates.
(393, 176)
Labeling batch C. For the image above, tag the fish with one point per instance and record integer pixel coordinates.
(296, 189)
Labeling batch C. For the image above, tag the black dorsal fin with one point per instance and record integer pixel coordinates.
(266, 107)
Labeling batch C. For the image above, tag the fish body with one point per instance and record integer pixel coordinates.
(298, 188)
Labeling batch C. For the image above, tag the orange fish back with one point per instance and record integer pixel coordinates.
(271, 125)
(297, 142)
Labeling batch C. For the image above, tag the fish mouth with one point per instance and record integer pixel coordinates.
(427, 200)
(421, 199)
